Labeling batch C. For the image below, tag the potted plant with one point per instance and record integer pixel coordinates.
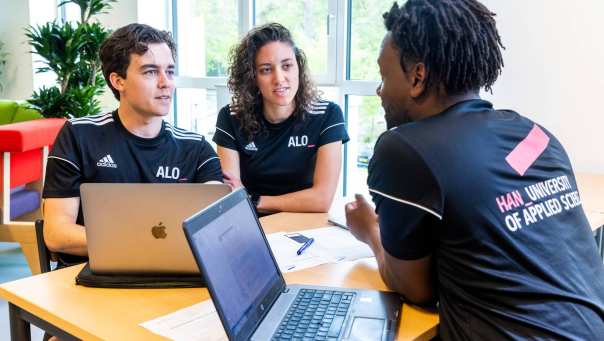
(70, 50)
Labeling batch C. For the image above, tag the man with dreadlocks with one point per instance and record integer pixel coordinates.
(477, 208)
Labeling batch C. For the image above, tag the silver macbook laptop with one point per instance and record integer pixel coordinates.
(136, 228)
(250, 294)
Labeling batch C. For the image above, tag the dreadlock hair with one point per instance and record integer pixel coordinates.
(456, 40)
(247, 100)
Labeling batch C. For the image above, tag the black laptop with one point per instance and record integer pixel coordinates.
(251, 296)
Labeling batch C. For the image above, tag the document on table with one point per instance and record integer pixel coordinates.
(284, 249)
(337, 244)
(197, 322)
(331, 245)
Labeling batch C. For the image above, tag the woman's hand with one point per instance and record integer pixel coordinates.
(231, 180)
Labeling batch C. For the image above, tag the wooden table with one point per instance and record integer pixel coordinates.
(54, 302)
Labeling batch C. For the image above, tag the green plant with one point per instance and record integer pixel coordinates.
(70, 50)
(88, 8)
(3, 60)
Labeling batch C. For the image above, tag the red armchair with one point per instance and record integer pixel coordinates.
(24, 147)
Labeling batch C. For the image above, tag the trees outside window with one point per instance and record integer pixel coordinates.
(341, 39)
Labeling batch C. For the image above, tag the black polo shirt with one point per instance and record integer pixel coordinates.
(493, 198)
(281, 157)
(100, 149)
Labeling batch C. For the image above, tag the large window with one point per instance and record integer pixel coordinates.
(364, 112)
(311, 24)
(341, 39)
(365, 123)
(366, 33)
(206, 31)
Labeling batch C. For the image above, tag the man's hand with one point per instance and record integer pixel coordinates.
(410, 278)
(361, 219)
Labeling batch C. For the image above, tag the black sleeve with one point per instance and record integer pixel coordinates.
(64, 166)
(334, 126)
(407, 198)
(208, 168)
(224, 135)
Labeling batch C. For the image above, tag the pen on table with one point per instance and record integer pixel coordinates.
(305, 246)
(338, 224)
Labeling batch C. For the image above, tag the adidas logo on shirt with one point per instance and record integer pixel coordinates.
(106, 161)
(251, 147)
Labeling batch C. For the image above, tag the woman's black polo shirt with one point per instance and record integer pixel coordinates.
(281, 158)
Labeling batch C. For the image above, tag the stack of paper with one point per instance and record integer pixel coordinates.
(331, 245)
(197, 322)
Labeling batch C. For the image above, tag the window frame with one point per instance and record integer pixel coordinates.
(339, 59)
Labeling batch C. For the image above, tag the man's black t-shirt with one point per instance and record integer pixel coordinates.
(100, 149)
(493, 198)
(281, 158)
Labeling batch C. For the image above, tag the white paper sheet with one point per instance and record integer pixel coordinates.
(337, 245)
(331, 245)
(197, 322)
(284, 249)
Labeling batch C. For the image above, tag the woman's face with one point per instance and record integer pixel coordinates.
(277, 74)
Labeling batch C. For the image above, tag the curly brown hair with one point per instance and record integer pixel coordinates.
(247, 100)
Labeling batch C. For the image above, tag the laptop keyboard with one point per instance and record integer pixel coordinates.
(315, 315)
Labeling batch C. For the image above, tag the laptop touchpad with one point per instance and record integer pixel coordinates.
(366, 328)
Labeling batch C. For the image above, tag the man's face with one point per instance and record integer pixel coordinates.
(149, 85)
(395, 86)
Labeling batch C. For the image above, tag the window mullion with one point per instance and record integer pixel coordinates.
(332, 42)
(246, 16)
(199, 82)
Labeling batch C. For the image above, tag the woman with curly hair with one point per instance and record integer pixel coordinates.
(277, 137)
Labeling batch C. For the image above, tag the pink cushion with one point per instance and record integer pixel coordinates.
(24, 136)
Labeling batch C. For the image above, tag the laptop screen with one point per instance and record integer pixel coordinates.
(236, 261)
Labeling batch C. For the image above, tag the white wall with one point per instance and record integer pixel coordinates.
(18, 80)
(554, 71)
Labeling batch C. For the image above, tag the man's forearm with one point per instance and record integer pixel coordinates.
(66, 238)
(414, 283)
(375, 243)
(390, 279)
(307, 200)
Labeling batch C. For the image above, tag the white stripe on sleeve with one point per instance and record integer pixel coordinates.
(407, 203)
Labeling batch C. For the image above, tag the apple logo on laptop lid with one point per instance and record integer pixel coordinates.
(159, 231)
